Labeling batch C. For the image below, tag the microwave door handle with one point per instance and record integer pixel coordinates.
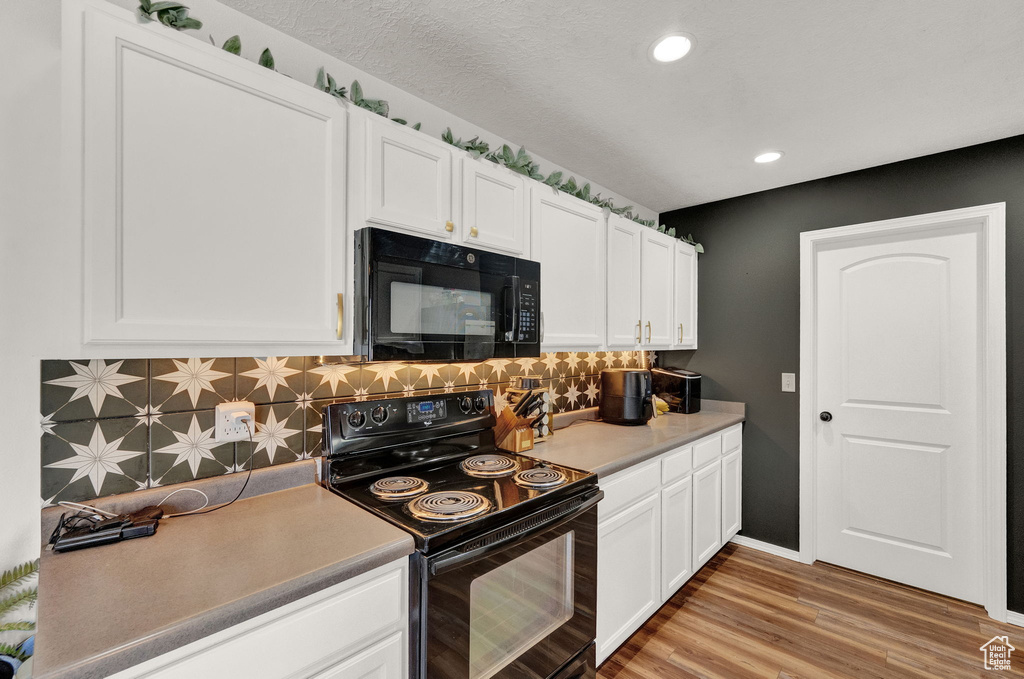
(511, 303)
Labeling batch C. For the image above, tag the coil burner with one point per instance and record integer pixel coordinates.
(398, 487)
(539, 477)
(486, 466)
(448, 505)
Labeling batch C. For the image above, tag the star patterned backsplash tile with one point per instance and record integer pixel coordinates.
(112, 426)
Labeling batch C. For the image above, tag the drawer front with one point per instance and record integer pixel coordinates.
(707, 450)
(318, 635)
(676, 465)
(732, 438)
(628, 486)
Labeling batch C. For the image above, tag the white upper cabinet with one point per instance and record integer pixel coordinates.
(685, 331)
(657, 259)
(624, 245)
(568, 239)
(212, 191)
(494, 208)
(408, 179)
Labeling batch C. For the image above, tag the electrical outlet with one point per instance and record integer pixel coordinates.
(229, 424)
(788, 381)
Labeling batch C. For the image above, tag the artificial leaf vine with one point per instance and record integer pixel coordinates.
(175, 15)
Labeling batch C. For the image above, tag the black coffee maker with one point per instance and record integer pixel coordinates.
(626, 396)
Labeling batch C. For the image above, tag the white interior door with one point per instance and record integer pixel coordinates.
(899, 357)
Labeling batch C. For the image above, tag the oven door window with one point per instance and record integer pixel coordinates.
(519, 603)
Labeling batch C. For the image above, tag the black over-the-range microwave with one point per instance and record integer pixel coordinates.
(425, 300)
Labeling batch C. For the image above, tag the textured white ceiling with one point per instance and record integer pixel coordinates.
(838, 86)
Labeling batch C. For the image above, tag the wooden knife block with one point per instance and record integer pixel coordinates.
(512, 433)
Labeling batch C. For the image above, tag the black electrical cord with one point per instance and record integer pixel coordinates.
(242, 490)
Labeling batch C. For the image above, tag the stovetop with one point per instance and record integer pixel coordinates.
(401, 460)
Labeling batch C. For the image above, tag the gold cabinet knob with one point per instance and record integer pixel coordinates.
(449, 227)
(474, 232)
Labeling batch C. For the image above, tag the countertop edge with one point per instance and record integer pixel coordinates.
(223, 617)
(729, 419)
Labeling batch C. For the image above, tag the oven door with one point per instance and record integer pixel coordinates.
(427, 300)
(506, 605)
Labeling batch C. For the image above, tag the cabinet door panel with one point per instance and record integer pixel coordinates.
(628, 573)
(380, 661)
(568, 239)
(493, 203)
(657, 260)
(676, 536)
(707, 513)
(685, 330)
(732, 494)
(202, 173)
(409, 183)
(624, 245)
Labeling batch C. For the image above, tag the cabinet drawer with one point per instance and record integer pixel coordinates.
(732, 438)
(317, 634)
(706, 450)
(627, 487)
(675, 465)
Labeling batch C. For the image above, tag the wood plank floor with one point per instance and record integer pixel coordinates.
(751, 615)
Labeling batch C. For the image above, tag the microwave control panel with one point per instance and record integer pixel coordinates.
(529, 312)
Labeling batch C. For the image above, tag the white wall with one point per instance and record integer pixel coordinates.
(40, 244)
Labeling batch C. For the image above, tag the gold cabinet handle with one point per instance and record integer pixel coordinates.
(449, 227)
(648, 332)
(341, 313)
(638, 326)
(473, 231)
(680, 333)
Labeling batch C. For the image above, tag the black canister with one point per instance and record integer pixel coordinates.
(626, 396)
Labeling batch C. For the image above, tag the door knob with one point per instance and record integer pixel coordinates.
(473, 232)
(449, 227)
(825, 416)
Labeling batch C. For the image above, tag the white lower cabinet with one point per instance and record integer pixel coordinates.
(352, 630)
(707, 513)
(628, 566)
(659, 522)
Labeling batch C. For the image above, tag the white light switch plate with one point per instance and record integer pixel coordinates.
(228, 422)
(788, 381)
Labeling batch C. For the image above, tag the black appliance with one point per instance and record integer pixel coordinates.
(504, 576)
(420, 299)
(626, 396)
(679, 388)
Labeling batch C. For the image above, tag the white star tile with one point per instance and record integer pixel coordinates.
(385, 372)
(271, 435)
(193, 376)
(271, 373)
(191, 447)
(96, 380)
(430, 371)
(335, 374)
(96, 459)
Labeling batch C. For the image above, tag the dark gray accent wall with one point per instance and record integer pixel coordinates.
(749, 327)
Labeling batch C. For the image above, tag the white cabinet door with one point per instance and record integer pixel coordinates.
(656, 261)
(212, 190)
(676, 536)
(624, 245)
(409, 180)
(707, 513)
(685, 292)
(628, 565)
(568, 240)
(381, 661)
(732, 494)
(494, 208)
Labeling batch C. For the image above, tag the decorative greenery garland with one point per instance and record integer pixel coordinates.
(175, 15)
(12, 598)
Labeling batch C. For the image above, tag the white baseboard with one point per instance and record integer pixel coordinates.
(1015, 618)
(767, 547)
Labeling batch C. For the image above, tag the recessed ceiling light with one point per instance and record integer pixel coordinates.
(768, 157)
(672, 47)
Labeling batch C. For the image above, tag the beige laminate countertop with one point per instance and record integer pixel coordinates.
(107, 608)
(608, 448)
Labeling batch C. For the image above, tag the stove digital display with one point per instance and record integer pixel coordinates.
(426, 411)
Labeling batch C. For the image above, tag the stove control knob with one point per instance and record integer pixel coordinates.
(466, 404)
(356, 419)
(379, 414)
(480, 403)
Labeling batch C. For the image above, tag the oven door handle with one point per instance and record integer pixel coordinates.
(509, 534)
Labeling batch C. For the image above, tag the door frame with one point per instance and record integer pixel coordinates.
(992, 219)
